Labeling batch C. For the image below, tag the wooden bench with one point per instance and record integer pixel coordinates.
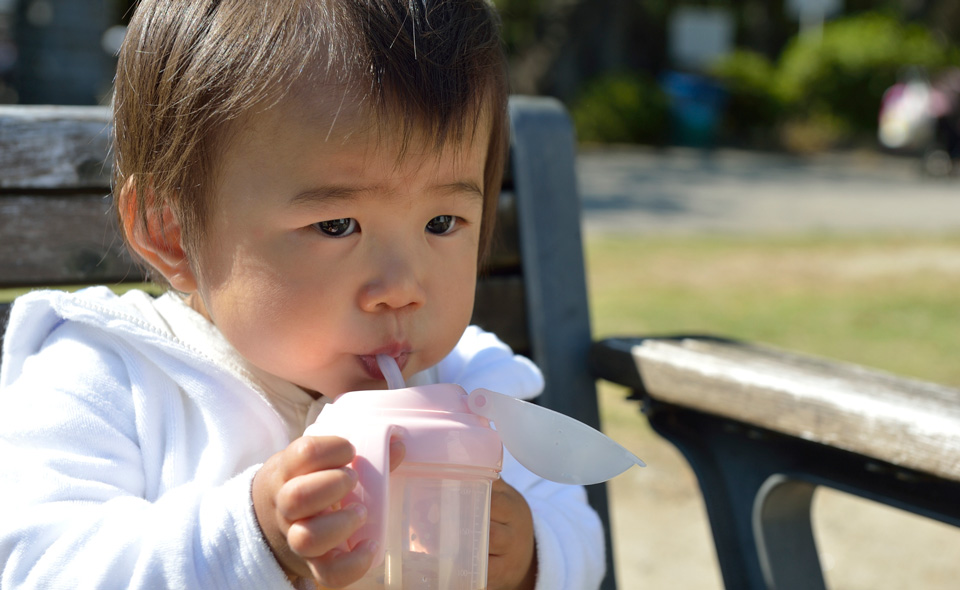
(763, 428)
(56, 229)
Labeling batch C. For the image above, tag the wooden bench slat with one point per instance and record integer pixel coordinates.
(52, 240)
(493, 294)
(72, 238)
(54, 147)
(905, 422)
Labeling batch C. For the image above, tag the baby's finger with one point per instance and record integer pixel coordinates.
(337, 568)
(316, 453)
(500, 539)
(316, 536)
(506, 503)
(312, 493)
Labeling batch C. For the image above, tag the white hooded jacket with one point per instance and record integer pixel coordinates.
(127, 454)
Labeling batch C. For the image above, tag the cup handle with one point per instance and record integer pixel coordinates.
(372, 464)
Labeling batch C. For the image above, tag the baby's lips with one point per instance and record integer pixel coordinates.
(370, 365)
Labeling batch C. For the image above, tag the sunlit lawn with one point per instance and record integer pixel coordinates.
(888, 302)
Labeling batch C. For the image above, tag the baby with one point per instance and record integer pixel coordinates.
(315, 181)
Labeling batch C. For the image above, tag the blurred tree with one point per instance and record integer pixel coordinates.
(754, 107)
(844, 74)
(622, 108)
(555, 46)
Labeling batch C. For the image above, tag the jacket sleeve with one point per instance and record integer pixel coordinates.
(75, 483)
(569, 534)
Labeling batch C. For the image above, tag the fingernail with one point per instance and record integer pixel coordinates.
(351, 473)
(360, 510)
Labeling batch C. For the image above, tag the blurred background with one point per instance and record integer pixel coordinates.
(782, 171)
(797, 75)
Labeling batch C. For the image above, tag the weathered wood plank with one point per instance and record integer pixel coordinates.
(50, 240)
(494, 294)
(55, 239)
(905, 422)
(54, 147)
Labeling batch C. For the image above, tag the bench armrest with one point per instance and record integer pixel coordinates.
(905, 422)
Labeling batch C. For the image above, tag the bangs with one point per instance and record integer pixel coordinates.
(189, 70)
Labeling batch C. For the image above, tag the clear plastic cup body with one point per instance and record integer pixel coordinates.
(438, 531)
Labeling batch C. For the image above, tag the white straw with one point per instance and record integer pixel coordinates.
(391, 372)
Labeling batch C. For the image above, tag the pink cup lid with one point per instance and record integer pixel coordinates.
(434, 422)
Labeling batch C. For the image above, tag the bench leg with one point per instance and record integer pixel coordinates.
(760, 522)
(786, 547)
(758, 486)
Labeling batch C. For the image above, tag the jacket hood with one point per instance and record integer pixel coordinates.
(37, 314)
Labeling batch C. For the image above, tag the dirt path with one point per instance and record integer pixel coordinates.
(682, 190)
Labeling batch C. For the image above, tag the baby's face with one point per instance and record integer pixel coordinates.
(324, 248)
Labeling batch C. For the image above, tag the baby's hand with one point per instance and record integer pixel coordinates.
(513, 559)
(296, 498)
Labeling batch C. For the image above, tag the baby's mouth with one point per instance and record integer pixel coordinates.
(370, 366)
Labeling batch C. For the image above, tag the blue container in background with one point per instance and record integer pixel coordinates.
(696, 108)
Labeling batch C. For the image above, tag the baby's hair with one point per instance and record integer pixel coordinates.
(189, 71)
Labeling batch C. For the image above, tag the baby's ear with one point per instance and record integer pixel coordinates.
(156, 237)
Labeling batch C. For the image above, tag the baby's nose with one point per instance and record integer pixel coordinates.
(395, 287)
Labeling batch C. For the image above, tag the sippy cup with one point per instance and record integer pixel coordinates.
(431, 515)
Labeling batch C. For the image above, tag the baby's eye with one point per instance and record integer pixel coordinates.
(337, 228)
(441, 224)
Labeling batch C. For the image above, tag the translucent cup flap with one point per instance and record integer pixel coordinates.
(550, 444)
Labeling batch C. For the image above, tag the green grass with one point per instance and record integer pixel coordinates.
(888, 302)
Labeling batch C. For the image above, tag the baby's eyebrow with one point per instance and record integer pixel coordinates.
(327, 194)
(467, 187)
(334, 193)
